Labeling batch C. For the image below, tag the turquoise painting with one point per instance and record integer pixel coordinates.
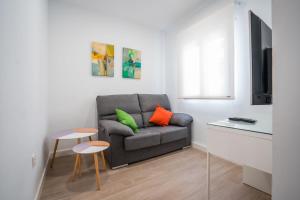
(131, 67)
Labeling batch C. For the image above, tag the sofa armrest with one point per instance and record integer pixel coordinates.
(111, 127)
(181, 119)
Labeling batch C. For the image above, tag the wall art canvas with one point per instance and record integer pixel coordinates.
(102, 59)
(131, 67)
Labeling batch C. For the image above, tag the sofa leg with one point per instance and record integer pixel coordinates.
(186, 147)
(120, 166)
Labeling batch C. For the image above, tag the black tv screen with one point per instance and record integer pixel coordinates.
(261, 60)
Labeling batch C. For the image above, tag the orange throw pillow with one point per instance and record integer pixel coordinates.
(161, 116)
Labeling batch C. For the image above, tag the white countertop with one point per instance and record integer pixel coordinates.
(258, 127)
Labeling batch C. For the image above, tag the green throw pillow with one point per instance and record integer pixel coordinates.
(126, 119)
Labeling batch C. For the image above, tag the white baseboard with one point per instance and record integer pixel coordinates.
(41, 183)
(199, 146)
(59, 153)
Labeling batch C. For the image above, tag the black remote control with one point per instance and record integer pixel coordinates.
(240, 119)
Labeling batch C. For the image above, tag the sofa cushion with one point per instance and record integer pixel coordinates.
(107, 104)
(112, 127)
(149, 102)
(146, 118)
(137, 117)
(170, 133)
(143, 139)
(126, 119)
(161, 116)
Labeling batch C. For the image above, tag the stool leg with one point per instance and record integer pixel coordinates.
(54, 153)
(90, 138)
(78, 162)
(75, 167)
(103, 160)
(97, 171)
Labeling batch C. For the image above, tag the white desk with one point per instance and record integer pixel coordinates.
(249, 145)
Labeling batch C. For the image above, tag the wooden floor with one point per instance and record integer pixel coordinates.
(179, 175)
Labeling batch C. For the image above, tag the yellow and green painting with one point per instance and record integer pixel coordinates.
(131, 63)
(102, 59)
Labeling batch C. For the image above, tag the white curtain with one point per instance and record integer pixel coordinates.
(206, 56)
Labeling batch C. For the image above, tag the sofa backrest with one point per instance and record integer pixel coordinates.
(148, 103)
(106, 106)
(140, 106)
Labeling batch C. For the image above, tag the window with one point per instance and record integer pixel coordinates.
(206, 57)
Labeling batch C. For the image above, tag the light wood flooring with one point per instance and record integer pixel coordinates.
(180, 175)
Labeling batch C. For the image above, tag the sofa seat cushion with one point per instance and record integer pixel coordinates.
(170, 133)
(142, 139)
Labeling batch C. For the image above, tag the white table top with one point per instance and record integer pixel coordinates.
(258, 127)
(74, 134)
(87, 148)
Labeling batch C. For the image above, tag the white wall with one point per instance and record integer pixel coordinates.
(286, 115)
(23, 96)
(72, 88)
(205, 111)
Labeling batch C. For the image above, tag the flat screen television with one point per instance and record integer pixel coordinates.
(261, 60)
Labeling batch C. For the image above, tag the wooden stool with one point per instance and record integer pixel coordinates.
(92, 147)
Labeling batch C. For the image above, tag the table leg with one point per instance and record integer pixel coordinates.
(97, 171)
(75, 167)
(103, 160)
(79, 166)
(54, 153)
(208, 175)
(90, 138)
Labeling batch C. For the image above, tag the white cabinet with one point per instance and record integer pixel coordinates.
(241, 147)
(243, 144)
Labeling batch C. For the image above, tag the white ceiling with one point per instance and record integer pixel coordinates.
(155, 13)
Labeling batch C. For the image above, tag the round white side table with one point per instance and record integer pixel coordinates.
(76, 133)
(92, 147)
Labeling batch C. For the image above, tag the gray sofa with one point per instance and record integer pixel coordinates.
(128, 147)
